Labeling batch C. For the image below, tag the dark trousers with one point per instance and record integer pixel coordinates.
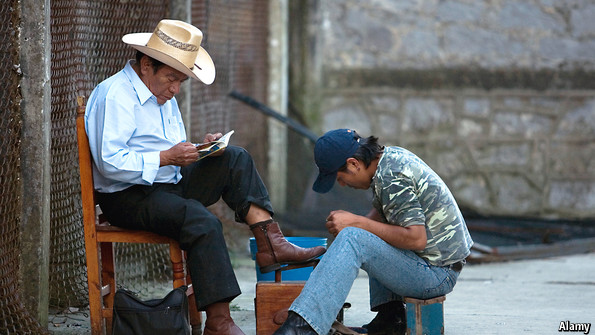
(179, 211)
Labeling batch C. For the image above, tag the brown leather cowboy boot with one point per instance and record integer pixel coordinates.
(219, 321)
(275, 251)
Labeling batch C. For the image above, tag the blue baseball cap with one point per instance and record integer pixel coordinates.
(331, 152)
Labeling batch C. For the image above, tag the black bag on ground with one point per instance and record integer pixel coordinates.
(156, 316)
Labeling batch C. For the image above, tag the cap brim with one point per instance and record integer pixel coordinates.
(324, 182)
(204, 69)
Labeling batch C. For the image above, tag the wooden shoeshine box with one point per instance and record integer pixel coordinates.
(272, 302)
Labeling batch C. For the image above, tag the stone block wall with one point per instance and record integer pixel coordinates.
(503, 153)
(497, 96)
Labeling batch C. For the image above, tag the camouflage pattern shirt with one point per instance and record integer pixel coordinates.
(408, 192)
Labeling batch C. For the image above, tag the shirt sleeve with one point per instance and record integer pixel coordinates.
(151, 161)
(116, 159)
(399, 201)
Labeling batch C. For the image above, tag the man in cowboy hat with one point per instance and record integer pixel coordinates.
(413, 243)
(147, 175)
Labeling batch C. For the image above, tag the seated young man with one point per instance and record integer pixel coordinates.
(413, 243)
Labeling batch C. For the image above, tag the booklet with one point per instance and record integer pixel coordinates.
(207, 149)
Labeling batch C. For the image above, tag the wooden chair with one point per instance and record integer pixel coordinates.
(99, 248)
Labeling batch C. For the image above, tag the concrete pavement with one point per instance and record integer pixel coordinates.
(518, 297)
(523, 297)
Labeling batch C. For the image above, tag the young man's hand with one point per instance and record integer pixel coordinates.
(411, 238)
(337, 220)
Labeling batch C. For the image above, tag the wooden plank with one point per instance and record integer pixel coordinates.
(118, 235)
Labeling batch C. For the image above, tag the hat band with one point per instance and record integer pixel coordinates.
(175, 43)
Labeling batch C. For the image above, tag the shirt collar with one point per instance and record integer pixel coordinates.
(378, 166)
(142, 91)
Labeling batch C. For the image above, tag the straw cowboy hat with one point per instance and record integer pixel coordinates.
(177, 44)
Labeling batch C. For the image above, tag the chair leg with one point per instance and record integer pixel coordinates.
(182, 277)
(195, 314)
(94, 286)
(108, 275)
(177, 263)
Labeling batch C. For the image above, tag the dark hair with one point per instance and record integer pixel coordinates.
(368, 150)
(154, 63)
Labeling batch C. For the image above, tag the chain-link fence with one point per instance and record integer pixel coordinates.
(86, 49)
(236, 37)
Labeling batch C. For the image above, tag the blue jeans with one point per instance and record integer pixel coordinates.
(393, 273)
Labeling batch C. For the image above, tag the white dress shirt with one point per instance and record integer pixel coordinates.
(127, 129)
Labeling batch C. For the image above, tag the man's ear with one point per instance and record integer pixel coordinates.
(145, 64)
(353, 162)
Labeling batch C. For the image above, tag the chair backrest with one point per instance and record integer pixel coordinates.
(85, 166)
